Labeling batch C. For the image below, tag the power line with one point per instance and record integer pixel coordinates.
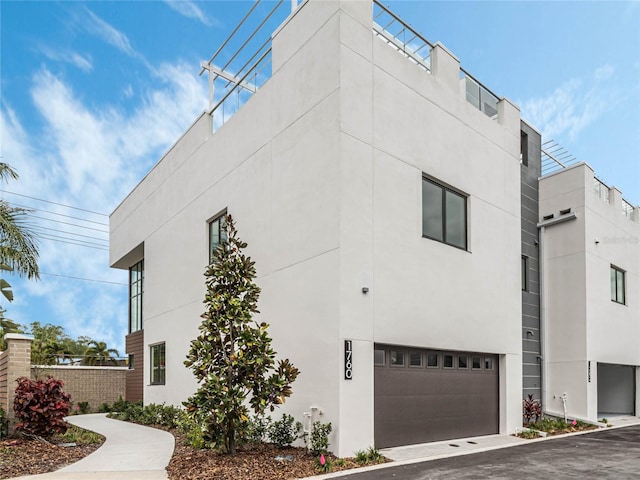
(55, 203)
(67, 223)
(45, 230)
(44, 237)
(59, 214)
(84, 279)
(51, 236)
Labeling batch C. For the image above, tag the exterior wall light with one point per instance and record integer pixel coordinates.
(365, 290)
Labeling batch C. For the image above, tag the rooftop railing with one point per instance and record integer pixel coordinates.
(601, 189)
(400, 36)
(627, 209)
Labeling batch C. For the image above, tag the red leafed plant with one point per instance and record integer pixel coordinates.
(531, 408)
(40, 406)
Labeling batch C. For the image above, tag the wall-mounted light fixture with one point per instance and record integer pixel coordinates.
(365, 289)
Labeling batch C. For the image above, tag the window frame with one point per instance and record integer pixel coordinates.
(410, 365)
(524, 266)
(138, 284)
(384, 357)
(221, 227)
(444, 188)
(438, 363)
(453, 361)
(616, 275)
(399, 353)
(160, 370)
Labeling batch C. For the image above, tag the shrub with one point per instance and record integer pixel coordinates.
(104, 408)
(80, 436)
(40, 406)
(4, 424)
(284, 432)
(371, 455)
(319, 439)
(258, 428)
(531, 408)
(83, 407)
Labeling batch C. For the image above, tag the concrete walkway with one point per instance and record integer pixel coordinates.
(130, 452)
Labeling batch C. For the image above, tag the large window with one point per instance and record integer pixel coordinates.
(158, 363)
(136, 281)
(444, 214)
(217, 234)
(617, 285)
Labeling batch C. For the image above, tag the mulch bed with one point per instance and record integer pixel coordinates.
(25, 456)
(255, 463)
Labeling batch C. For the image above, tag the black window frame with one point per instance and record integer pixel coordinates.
(524, 148)
(220, 223)
(614, 279)
(464, 197)
(158, 372)
(136, 291)
(524, 265)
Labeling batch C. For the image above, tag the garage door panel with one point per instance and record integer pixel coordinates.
(417, 405)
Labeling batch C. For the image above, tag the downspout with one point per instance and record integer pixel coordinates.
(543, 308)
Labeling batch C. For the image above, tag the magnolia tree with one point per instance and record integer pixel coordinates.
(232, 358)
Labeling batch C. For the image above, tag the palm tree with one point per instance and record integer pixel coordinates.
(99, 354)
(18, 245)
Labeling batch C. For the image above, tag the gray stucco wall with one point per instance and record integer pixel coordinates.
(529, 175)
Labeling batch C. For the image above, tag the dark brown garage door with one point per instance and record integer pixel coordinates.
(429, 395)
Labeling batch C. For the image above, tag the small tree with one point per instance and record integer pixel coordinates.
(232, 357)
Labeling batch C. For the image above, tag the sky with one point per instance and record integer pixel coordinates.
(93, 93)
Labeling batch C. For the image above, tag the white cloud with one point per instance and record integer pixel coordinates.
(84, 63)
(574, 105)
(90, 156)
(189, 9)
(108, 33)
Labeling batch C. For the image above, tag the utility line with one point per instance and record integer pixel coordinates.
(55, 203)
(106, 249)
(67, 223)
(45, 229)
(59, 214)
(83, 279)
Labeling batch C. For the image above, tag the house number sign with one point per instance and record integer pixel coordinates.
(348, 360)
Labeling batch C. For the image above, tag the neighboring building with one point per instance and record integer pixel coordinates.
(390, 202)
(590, 241)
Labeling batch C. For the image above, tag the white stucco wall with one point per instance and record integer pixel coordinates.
(322, 171)
(582, 323)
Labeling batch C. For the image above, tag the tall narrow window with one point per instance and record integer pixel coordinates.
(524, 266)
(444, 214)
(136, 283)
(217, 234)
(158, 364)
(617, 285)
(524, 148)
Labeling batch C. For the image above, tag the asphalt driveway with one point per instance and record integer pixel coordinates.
(605, 454)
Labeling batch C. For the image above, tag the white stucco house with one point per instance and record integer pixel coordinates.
(590, 243)
(381, 194)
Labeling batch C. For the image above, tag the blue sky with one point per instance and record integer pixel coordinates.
(93, 93)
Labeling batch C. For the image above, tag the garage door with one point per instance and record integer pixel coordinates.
(616, 389)
(429, 395)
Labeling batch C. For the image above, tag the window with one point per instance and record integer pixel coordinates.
(488, 363)
(476, 363)
(524, 266)
(444, 214)
(158, 360)
(415, 359)
(462, 361)
(432, 360)
(378, 357)
(130, 362)
(136, 281)
(447, 361)
(524, 148)
(617, 285)
(217, 234)
(397, 358)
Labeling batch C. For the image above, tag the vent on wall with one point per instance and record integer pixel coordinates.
(565, 211)
(548, 217)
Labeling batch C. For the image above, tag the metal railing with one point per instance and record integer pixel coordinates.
(400, 36)
(601, 189)
(627, 209)
(480, 96)
(246, 61)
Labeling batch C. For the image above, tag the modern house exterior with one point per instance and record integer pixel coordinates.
(590, 244)
(391, 204)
